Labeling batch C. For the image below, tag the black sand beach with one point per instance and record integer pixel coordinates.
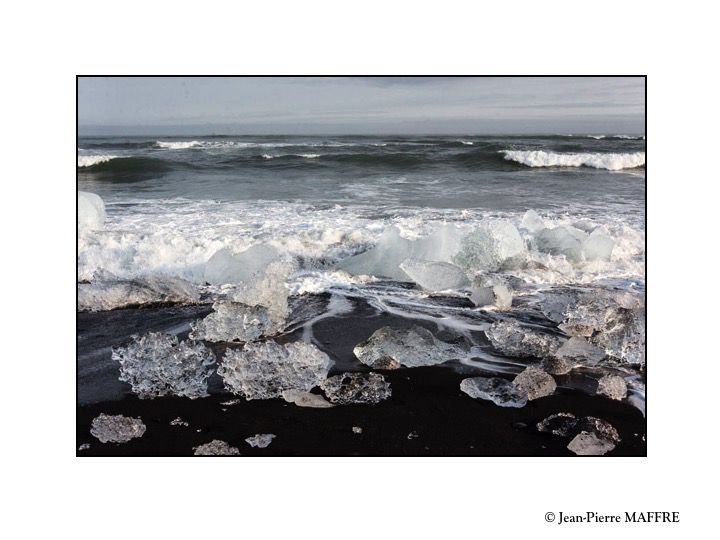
(427, 413)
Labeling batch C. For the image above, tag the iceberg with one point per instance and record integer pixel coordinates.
(264, 370)
(216, 448)
(493, 245)
(535, 383)
(500, 391)
(116, 429)
(435, 276)
(388, 348)
(91, 211)
(351, 388)
(157, 365)
(232, 321)
(514, 340)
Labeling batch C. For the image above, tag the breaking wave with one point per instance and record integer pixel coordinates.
(89, 161)
(541, 158)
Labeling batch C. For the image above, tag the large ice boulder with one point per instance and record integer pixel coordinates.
(391, 250)
(562, 240)
(598, 246)
(493, 245)
(91, 211)
(228, 267)
(435, 276)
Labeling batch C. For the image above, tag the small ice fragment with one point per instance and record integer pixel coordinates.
(558, 366)
(598, 246)
(532, 222)
(388, 348)
(357, 430)
(306, 399)
(413, 435)
(500, 391)
(116, 429)
(567, 425)
(216, 448)
(265, 370)
(535, 383)
(261, 440)
(91, 211)
(486, 292)
(562, 240)
(494, 245)
(435, 276)
(589, 444)
(356, 388)
(512, 339)
(579, 349)
(83, 447)
(179, 422)
(612, 386)
(158, 365)
(232, 321)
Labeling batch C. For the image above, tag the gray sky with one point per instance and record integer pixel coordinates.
(359, 105)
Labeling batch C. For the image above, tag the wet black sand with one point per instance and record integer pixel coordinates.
(426, 402)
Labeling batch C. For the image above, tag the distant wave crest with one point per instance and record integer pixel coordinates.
(89, 161)
(541, 158)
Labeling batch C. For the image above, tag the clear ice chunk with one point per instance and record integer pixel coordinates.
(91, 211)
(435, 276)
(589, 444)
(306, 399)
(598, 246)
(512, 339)
(261, 440)
(216, 448)
(391, 249)
(559, 366)
(535, 383)
(580, 350)
(158, 365)
(532, 222)
(388, 348)
(489, 290)
(612, 386)
(500, 391)
(563, 240)
(232, 321)
(264, 370)
(105, 294)
(350, 388)
(116, 429)
(493, 245)
(228, 267)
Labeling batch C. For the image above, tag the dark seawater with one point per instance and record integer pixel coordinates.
(172, 203)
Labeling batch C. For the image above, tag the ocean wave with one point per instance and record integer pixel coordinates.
(89, 161)
(609, 161)
(178, 145)
(305, 156)
(621, 137)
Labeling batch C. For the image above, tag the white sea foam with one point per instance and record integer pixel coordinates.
(469, 143)
(89, 161)
(609, 161)
(178, 145)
